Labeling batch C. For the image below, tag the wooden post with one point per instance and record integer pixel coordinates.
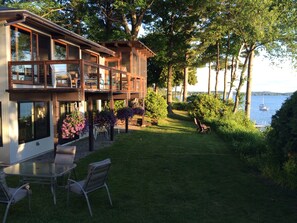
(90, 114)
(126, 124)
(111, 103)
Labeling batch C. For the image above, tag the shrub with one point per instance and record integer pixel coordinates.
(236, 128)
(118, 104)
(282, 138)
(156, 106)
(207, 107)
(180, 106)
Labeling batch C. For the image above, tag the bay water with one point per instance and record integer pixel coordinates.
(273, 102)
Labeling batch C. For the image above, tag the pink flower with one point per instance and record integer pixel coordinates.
(73, 125)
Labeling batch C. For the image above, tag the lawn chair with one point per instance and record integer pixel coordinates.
(96, 179)
(65, 155)
(202, 128)
(10, 196)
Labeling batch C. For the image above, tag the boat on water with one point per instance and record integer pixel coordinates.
(263, 107)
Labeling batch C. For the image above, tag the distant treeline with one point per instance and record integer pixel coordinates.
(256, 93)
(272, 93)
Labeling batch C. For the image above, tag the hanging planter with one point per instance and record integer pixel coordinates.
(140, 112)
(73, 125)
(124, 114)
(106, 118)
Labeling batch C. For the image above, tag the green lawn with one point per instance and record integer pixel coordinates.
(167, 173)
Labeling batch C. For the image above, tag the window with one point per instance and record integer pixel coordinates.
(33, 119)
(20, 44)
(44, 47)
(66, 108)
(73, 52)
(60, 51)
(27, 45)
(90, 57)
(1, 141)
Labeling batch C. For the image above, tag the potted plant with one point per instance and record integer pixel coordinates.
(73, 125)
(140, 112)
(105, 118)
(124, 114)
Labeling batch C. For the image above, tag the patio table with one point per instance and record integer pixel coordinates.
(40, 173)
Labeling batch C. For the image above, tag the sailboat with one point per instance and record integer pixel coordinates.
(263, 107)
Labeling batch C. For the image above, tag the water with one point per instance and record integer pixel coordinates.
(273, 102)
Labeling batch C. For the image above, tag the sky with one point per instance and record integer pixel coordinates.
(266, 77)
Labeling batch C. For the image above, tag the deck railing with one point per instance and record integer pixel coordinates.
(68, 74)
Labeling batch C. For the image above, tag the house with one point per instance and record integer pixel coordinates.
(47, 71)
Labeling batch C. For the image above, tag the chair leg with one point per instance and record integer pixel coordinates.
(107, 190)
(6, 212)
(29, 198)
(68, 190)
(89, 205)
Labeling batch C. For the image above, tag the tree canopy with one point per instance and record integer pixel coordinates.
(185, 34)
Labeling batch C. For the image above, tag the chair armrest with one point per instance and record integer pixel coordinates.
(75, 182)
(24, 186)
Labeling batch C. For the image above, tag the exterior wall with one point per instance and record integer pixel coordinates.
(4, 54)
(12, 151)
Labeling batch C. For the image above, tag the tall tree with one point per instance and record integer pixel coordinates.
(121, 19)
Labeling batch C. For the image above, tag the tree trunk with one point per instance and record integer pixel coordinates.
(217, 69)
(185, 92)
(226, 68)
(240, 84)
(169, 89)
(232, 76)
(249, 84)
(234, 69)
(209, 78)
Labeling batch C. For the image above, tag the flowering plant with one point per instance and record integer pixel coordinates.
(138, 111)
(105, 118)
(125, 113)
(74, 124)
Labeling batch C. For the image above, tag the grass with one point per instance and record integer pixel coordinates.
(167, 173)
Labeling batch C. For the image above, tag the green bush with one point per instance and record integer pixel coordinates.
(207, 107)
(282, 144)
(182, 106)
(236, 128)
(155, 106)
(282, 138)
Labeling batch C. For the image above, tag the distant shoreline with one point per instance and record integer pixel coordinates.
(255, 93)
(271, 93)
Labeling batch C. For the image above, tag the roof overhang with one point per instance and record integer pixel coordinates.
(136, 44)
(14, 16)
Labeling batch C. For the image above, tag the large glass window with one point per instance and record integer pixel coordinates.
(44, 47)
(90, 57)
(73, 52)
(20, 44)
(33, 118)
(126, 61)
(66, 108)
(60, 51)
